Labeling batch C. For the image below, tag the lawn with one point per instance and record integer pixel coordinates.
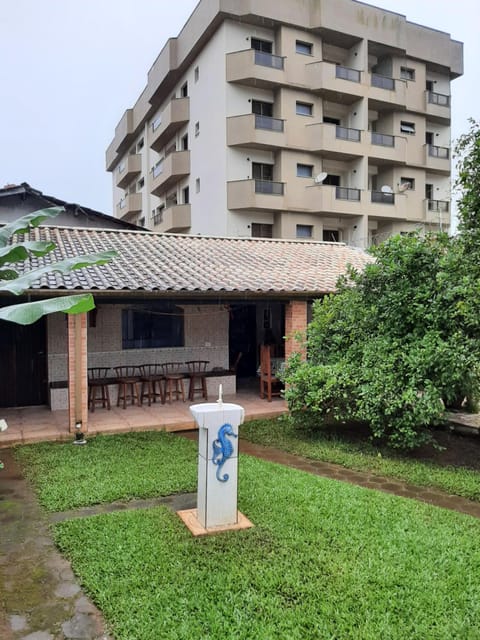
(329, 445)
(324, 560)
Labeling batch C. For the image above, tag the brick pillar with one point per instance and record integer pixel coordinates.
(295, 322)
(77, 372)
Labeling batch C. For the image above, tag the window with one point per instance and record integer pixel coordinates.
(140, 144)
(186, 195)
(406, 73)
(262, 230)
(330, 120)
(157, 214)
(331, 235)
(140, 184)
(262, 108)
(141, 222)
(304, 170)
(407, 127)
(409, 181)
(184, 142)
(156, 123)
(197, 185)
(332, 180)
(196, 74)
(157, 326)
(197, 129)
(262, 171)
(304, 109)
(184, 90)
(157, 168)
(261, 45)
(304, 231)
(429, 191)
(304, 48)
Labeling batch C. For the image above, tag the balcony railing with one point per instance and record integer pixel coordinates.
(383, 139)
(347, 193)
(345, 73)
(438, 152)
(438, 98)
(266, 122)
(438, 206)
(344, 133)
(268, 60)
(382, 197)
(269, 187)
(382, 82)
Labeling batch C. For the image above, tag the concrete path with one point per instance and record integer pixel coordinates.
(40, 598)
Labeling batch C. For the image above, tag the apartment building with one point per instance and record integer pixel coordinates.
(320, 119)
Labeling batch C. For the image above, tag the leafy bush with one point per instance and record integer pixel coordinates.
(396, 345)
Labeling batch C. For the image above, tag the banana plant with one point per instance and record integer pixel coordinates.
(11, 281)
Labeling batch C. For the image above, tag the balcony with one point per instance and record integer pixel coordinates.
(387, 148)
(255, 195)
(174, 116)
(341, 84)
(386, 91)
(384, 198)
(340, 142)
(388, 205)
(437, 158)
(175, 218)
(252, 130)
(128, 168)
(174, 167)
(438, 212)
(437, 105)
(324, 198)
(129, 206)
(256, 68)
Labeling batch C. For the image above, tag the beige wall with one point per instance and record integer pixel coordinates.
(206, 338)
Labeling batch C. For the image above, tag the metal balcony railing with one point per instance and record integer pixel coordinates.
(269, 187)
(383, 139)
(438, 152)
(268, 60)
(347, 193)
(345, 73)
(438, 206)
(382, 82)
(438, 98)
(383, 198)
(266, 122)
(345, 133)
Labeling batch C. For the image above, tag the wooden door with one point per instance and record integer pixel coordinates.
(23, 364)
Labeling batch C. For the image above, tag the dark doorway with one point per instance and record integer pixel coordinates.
(243, 338)
(23, 364)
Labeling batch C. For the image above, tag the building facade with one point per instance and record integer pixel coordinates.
(302, 119)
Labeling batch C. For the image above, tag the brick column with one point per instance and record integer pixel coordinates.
(77, 372)
(295, 321)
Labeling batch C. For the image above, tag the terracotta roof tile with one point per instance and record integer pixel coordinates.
(196, 264)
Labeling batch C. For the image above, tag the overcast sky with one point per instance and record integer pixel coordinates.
(70, 68)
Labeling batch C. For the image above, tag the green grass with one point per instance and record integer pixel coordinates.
(362, 456)
(325, 560)
(108, 468)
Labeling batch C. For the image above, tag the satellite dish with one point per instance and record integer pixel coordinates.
(320, 178)
(405, 186)
(386, 189)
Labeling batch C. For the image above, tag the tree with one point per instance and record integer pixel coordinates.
(467, 151)
(397, 344)
(13, 282)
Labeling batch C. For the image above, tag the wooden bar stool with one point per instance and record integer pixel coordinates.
(152, 380)
(97, 380)
(198, 379)
(127, 381)
(173, 381)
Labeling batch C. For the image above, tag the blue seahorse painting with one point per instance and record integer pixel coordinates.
(222, 449)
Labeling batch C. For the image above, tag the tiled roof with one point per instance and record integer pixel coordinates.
(196, 264)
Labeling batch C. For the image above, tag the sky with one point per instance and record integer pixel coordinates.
(70, 68)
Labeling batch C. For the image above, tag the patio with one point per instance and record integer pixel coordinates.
(39, 424)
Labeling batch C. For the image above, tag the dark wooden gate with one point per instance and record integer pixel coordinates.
(23, 364)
